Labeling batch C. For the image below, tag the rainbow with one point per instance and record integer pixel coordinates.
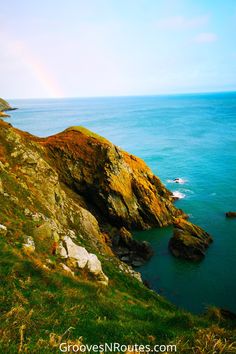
(38, 71)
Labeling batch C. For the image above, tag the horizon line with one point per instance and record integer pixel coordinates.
(128, 95)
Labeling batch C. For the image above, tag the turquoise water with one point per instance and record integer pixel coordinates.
(187, 136)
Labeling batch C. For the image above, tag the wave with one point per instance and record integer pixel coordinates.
(178, 195)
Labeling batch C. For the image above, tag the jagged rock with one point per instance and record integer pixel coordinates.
(189, 241)
(28, 244)
(80, 254)
(94, 267)
(131, 251)
(119, 186)
(83, 259)
(127, 269)
(3, 230)
(137, 263)
(231, 214)
(137, 276)
(61, 251)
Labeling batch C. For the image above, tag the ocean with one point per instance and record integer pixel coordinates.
(192, 137)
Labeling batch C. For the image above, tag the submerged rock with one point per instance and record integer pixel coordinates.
(131, 251)
(231, 214)
(189, 241)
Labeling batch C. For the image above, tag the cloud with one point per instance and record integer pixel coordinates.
(181, 22)
(206, 37)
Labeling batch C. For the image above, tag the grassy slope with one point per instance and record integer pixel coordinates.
(38, 306)
(41, 307)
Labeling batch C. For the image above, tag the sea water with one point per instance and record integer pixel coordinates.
(192, 137)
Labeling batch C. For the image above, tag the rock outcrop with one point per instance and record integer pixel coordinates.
(120, 188)
(129, 250)
(4, 106)
(78, 196)
(189, 241)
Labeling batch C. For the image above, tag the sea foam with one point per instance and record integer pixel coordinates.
(178, 195)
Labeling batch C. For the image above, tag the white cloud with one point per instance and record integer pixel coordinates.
(206, 37)
(181, 22)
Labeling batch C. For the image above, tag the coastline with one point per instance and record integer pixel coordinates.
(54, 158)
(170, 153)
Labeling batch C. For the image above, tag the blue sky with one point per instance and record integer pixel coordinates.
(73, 48)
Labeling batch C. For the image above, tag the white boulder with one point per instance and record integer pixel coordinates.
(95, 268)
(84, 259)
(3, 230)
(77, 252)
(29, 244)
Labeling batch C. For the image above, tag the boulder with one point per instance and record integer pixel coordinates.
(78, 256)
(189, 241)
(231, 214)
(3, 230)
(131, 251)
(95, 268)
(61, 251)
(28, 244)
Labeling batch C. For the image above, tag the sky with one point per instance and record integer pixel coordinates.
(78, 48)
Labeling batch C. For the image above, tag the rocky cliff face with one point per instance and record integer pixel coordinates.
(189, 241)
(79, 187)
(119, 187)
(4, 106)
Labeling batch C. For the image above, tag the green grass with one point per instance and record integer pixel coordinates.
(43, 305)
(88, 133)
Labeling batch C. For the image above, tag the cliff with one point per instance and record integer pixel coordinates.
(4, 106)
(68, 204)
(77, 177)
